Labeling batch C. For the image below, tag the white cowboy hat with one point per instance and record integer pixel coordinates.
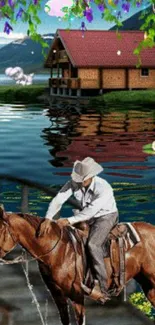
(87, 168)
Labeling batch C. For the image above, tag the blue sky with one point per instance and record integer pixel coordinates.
(50, 24)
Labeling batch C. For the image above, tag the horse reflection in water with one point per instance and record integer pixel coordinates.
(63, 271)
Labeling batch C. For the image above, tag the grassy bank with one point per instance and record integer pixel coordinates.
(137, 97)
(23, 94)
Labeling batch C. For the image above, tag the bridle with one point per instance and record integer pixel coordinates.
(8, 234)
(21, 258)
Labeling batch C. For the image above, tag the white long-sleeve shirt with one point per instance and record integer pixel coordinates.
(96, 201)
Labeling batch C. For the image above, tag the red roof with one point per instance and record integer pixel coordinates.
(99, 48)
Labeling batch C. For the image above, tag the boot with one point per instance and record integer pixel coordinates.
(96, 293)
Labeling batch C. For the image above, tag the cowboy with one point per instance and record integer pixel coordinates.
(98, 209)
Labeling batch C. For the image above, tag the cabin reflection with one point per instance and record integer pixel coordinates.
(111, 137)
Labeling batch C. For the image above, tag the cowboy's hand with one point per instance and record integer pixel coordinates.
(62, 222)
(44, 228)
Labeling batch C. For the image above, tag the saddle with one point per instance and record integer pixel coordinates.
(120, 240)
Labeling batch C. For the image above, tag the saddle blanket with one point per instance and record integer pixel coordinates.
(132, 236)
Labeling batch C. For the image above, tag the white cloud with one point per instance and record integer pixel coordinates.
(12, 35)
(51, 37)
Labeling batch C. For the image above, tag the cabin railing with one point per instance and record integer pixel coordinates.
(74, 83)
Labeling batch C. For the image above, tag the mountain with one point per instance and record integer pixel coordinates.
(24, 53)
(134, 22)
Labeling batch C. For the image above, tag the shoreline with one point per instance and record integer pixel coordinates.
(22, 94)
(37, 93)
(125, 97)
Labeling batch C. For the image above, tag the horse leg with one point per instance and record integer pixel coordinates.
(57, 294)
(148, 286)
(79, 310)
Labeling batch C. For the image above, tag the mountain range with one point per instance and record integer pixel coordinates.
(28, 54)
(24, 53)
(134, 22)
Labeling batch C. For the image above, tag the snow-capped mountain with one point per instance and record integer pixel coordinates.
(24, 53)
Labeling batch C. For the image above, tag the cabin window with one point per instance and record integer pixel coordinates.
(144, 72)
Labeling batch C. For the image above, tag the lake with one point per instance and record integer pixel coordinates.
(37, 79)
(41, 146)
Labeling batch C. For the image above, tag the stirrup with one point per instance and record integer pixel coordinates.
(96, 293)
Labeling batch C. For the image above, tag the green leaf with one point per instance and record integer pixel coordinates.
(136, 51)
(65, 9)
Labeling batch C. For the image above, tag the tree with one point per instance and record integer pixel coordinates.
(28, 11)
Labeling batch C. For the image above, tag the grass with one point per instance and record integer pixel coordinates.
(138, 97)
(23, 94)
(139, 300)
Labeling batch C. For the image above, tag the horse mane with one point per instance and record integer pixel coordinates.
(32, 220)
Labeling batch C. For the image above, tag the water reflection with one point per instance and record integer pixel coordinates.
(114, 139)
(43, 147)
(111, 137)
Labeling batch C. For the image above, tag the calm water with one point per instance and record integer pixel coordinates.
(38, 146)
(42, 148)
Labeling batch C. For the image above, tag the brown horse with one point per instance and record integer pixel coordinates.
(62, 268)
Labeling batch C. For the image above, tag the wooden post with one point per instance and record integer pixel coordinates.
(64, 92)
(24, 199)
(78, 93)
(69, 74)
(58, 91)
(58, 70)
(100, 79)
(126, 78)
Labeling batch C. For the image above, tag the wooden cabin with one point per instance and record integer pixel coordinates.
(98, 62)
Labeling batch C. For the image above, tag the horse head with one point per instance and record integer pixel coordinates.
(7, 239)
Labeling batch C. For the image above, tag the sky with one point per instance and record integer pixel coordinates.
(51, 24)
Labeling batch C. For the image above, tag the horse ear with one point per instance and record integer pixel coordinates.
(3, 214)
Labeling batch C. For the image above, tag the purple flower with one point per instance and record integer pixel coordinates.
(35, 2)
(11, 3)
(88, 14)
(7, 28)
(2, 3)
(126, 6)
(19, 13)
(119, 15)
(101, 7)
(82, 24)
(138, 3)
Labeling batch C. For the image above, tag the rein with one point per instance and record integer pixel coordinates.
(21, 259)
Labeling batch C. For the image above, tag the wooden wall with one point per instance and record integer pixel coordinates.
(138, 81)
(89, 78)
(113, 78)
